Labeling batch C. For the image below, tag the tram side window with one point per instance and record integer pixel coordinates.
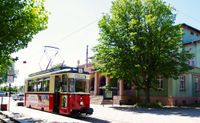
(35, 86)
(64, 83)
(45, 85)
(72, 85)
(39, 85)
(57, 83)
(32, 85)
(29, 85)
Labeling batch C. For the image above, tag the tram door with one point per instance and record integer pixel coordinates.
(57, 93)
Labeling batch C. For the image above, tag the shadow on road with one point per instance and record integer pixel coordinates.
(90, 119)
(180, 111)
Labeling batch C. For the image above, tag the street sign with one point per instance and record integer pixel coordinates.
(10, 78)
(108, 95)
(10, 75)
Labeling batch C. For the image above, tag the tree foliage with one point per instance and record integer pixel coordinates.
(5, 63)
(140, 42)
(12, 89)
(20, 20)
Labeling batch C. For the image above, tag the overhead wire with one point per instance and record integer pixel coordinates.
(92, 22)
(76, 31)
(70, 34)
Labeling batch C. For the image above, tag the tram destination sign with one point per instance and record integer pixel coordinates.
(80, 76)
(76, 76)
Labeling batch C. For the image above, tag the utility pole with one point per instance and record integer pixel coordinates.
(86, 64)
(10, 79)
(78, 63)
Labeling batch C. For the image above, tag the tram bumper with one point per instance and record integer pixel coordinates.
(84, 110)
(88, 111)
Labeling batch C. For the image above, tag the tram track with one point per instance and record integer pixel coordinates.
(18, 118)
(6, 119)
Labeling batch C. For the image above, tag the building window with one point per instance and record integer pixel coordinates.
(191, 33)
(182, 83)
(188, 62)
(197, 84)
(191, 63)
(160, 83)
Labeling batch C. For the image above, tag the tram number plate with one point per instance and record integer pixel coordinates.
(64, 101)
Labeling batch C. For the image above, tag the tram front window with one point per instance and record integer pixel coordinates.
(80, 85)
(77, 85)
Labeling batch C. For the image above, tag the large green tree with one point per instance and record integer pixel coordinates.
(139, 42)
(20, 20)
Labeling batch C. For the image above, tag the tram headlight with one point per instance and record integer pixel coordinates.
(81, 103)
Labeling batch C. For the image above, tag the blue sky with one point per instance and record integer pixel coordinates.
(187, 11)
(73, 25)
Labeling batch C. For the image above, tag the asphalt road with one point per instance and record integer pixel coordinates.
(113, 114)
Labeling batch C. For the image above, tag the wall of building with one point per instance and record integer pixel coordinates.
(161, 92)
(189, 36)
(187, 96)
(195, 91)
(194, 48)
(197, 54)
(171, 93)
(177, 92)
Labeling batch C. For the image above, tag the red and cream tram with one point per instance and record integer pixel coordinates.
(64, 91)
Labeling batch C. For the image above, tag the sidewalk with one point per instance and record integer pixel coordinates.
(21, 114)
(32, 117)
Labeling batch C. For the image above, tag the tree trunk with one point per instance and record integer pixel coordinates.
(147, 95)
(147, 92)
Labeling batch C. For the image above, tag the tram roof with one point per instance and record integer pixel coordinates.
(65, 69)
